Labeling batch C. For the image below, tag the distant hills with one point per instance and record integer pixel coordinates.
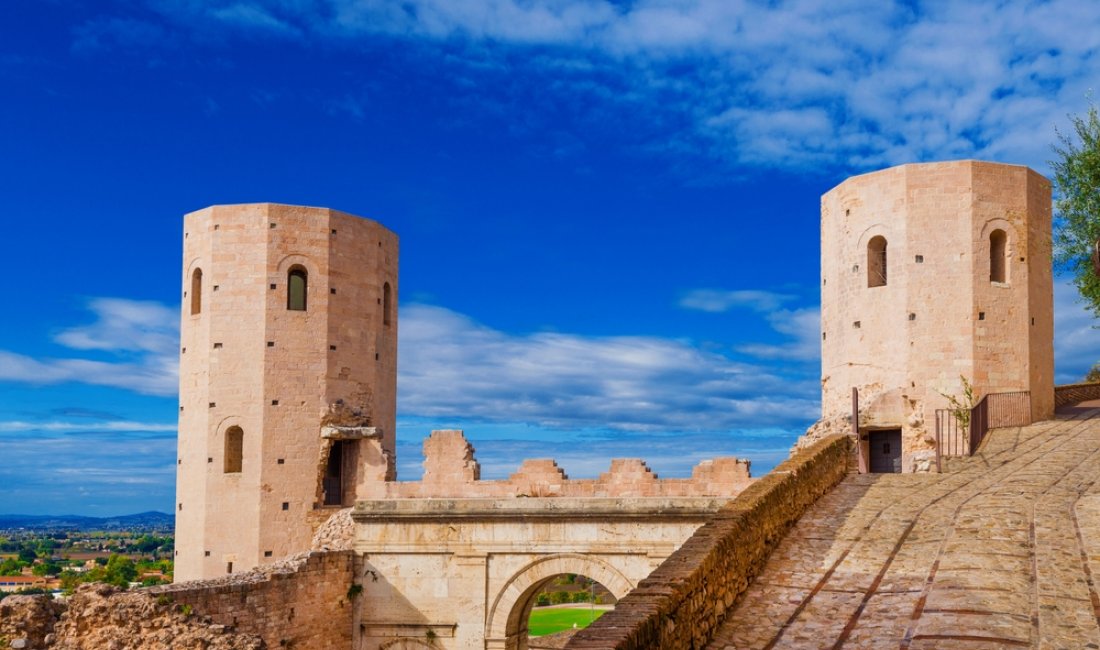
(143, 521)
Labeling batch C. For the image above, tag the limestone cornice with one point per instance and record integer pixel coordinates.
(530, 508)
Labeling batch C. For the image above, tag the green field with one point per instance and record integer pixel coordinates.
(547, 620)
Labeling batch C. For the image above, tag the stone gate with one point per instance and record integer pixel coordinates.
(453, 561)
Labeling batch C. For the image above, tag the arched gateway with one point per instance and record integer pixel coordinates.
(464, 572)
(512, 606)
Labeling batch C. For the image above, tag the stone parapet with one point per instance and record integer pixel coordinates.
(301, 602)
(450, 470)
(682, 603)
(1074, 393)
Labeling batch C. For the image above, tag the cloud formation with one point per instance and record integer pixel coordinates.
(452, 366)
(794, 84)
(141, 337)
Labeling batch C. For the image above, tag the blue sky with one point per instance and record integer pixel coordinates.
(608, 211)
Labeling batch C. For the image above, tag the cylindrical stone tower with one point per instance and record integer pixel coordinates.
(288, 366)
(929, 272)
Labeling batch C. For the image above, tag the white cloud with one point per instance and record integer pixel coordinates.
(721, 300)
(452, 366)
(142, 336)
(133, 325)
(116, 425)
(804, 328)
(789, 84)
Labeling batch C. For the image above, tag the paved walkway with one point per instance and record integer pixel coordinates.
(998, 552)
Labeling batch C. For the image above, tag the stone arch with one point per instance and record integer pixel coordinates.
(986, 244)
(216, 442)
(877, 230)
(194, 268)
(877, 263)
(509, 611)
(296, 259)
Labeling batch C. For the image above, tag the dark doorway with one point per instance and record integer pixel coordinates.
(885, 451)
(334, 474)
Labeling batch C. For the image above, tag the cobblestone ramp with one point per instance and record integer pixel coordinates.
(998, 553)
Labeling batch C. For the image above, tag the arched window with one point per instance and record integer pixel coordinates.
(387, 303)
(234, 450)
(876, 262)
(998, 258)
(297, 282)
(196, 292)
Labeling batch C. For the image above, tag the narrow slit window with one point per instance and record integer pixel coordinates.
(234, 450)
(387, 303)
(196, 292)
(876, 262)
(998, 259)
(297, 283)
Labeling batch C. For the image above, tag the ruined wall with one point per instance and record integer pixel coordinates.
(450, 470)
(99, 616)
(302, 602)
(274, 375)
(1074, 393)
(939, 313)
(683, 602)
(31, 618)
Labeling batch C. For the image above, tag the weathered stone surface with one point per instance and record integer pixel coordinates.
(337, 533)
(452, 471)
(999, 552)
(28, 617)
(100, 616)
(302, 601)
(1075, 393)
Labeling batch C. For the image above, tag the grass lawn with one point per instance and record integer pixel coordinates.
(547, 620)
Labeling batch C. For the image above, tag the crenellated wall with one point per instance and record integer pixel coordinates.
(450, 470)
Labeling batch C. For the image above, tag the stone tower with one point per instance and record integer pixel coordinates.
(929, 272)
(288, 364)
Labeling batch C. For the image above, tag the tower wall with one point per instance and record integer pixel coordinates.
(278, 374)
(939, 314)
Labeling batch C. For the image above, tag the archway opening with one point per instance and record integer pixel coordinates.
(559, 606)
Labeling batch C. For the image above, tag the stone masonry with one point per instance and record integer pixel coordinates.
(1000, 552)
(928, 272)
(289, 324)
(450, 470)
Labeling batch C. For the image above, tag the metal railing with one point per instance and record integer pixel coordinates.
(993, 411)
